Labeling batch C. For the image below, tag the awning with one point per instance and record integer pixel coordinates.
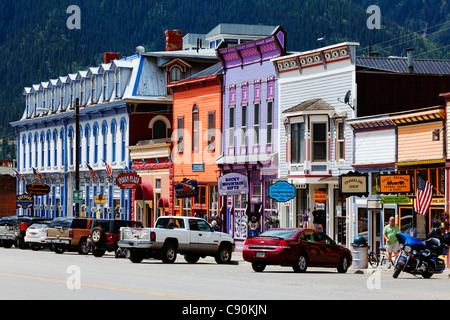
(144, 191)
(420, 162)
(163, 203)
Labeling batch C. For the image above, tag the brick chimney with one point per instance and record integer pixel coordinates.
(174, 40)
(110, 56)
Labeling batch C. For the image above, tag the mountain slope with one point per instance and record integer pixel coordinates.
(36, 45)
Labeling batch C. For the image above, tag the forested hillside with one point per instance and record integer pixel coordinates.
(36, 45)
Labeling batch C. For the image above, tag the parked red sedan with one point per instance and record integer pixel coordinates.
(298, 248)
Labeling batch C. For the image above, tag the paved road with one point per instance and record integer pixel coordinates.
(25, 274)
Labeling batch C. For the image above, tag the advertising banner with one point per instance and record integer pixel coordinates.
(232, 184)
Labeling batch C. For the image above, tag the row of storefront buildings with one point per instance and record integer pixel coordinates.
(208, 130)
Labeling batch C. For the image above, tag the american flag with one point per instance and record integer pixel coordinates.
(93, 174)
(18, 175)
(37, 174)
(109, 171)
(424, 194)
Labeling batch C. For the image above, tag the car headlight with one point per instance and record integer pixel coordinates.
(408, 249)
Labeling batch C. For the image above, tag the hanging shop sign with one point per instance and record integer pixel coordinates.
(354, 184)
(320, 196)
(24, 201)
(186, 189)
(38, 189)
(129, 180)
(282, 191)
(232, 184)
(395, 183)
(395, 200)
(100, 199)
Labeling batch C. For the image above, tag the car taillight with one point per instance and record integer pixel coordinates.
(71, 234)
(283, 244)
(153, 236)
(23, 226)
(246, 244)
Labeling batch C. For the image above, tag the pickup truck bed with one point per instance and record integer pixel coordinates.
(190, 236)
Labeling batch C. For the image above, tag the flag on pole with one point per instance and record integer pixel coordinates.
(424, 194)
(18, 175)
(93, 174)
(109, 171)
(37, 174)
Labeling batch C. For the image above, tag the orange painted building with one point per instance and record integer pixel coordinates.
(197, 124)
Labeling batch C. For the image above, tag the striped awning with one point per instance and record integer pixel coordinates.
(428, 115)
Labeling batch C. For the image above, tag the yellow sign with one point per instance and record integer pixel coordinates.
(320, 196)
(395, 183)
(100, 199)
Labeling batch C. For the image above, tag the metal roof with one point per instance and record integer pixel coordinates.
(241, 29)
(400, 64)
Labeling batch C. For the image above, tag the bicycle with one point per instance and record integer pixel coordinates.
(376, 259)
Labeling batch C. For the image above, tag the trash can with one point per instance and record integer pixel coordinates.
(360, 253)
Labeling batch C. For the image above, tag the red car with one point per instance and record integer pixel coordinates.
(298, 248)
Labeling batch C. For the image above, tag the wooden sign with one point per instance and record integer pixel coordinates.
(354, 184)
(128, 180)
(38, 189)
(395, 183)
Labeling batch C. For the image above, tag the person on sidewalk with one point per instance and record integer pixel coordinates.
(392, 245)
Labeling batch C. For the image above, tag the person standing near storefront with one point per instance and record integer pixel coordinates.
(392, 245)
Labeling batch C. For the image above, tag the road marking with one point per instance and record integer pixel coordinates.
(102, 286)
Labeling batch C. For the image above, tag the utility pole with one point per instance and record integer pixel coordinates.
(77, 153)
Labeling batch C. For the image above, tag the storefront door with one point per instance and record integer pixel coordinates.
(375, 230)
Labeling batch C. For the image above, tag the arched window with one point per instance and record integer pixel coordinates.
(87, 134)
(55, 148)
(30, 152)
(49, 138)
(113, 137)
(63, 147)
(123, 130)
(71, 136)
(195, 128)
(24, 160)
(159, 130)
(105, 141)
(95, 133)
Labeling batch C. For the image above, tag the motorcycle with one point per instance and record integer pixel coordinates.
(421, 258)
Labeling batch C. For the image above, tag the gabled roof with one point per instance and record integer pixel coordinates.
(400, 64)
(311, 105)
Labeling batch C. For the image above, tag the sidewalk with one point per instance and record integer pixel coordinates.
(237, 259)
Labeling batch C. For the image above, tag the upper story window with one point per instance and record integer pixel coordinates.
(118, 83)
(340, 151)
(256, 123)
(195, 128)
(180, 125)
(298, 142)
(211, 131)
(269, 125)
(105, 86)
(319, 142)
(244, 125)
(175, 74)
(93, 93)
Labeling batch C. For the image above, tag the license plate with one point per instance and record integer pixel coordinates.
(260, 254)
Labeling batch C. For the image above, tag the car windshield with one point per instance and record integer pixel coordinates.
(61, 222)
(278, 233)
(38, 226)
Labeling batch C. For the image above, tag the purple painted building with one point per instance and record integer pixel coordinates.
(250, 131)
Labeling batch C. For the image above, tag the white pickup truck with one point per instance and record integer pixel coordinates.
(190, 236)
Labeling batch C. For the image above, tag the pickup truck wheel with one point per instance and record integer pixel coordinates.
(223, 255)
(83, 247)
(136, 256)
(169, 253)
(58, 249)
(191, 257)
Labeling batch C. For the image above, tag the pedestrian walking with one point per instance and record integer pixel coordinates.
(392, 245)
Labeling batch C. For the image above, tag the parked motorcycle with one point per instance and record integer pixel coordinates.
(421, 258)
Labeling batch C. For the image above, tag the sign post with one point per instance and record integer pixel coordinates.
(78, 196)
